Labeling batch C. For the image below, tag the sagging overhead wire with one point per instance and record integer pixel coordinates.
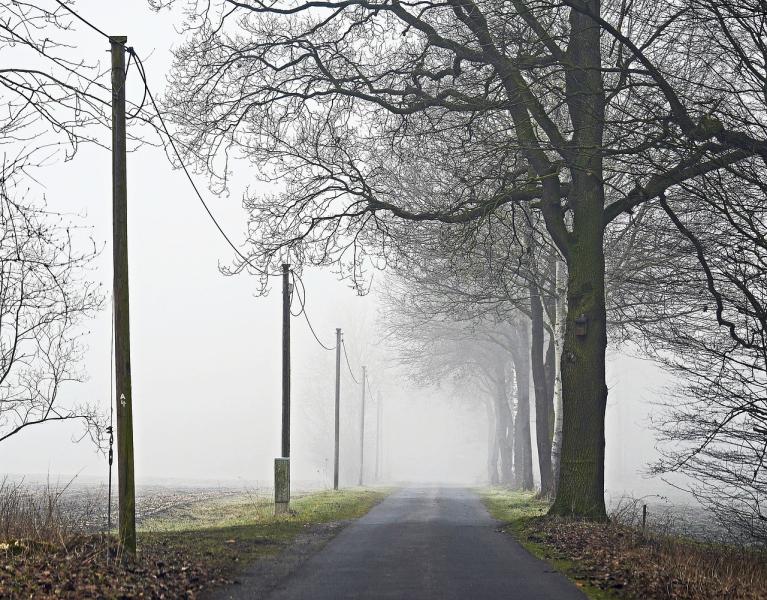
(295, 292)
(302, 302)
(349, 366)
(172, 143)
(370, 386)
(83, 19)
(148, 93)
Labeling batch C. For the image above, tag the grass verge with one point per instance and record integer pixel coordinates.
(227, 533)
(181, 554)
(518, 511)
(616, 560)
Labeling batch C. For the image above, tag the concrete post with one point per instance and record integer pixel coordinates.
(281, 486)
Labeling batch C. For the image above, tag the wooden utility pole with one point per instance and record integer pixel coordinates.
(125, 479)
(378, 437)
(338, 407)
(286, 361)
(282, 465)
(362, 428)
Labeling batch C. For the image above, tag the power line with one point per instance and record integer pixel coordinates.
(343, 345)
(295, 291)
(142, 74)
(148, 92)
(370, 386)
(303, 311)
(140, 108)
(83, 19)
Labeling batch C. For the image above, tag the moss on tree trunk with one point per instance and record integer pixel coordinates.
(580, 491)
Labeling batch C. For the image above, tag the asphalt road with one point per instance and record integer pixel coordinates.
(424, 544)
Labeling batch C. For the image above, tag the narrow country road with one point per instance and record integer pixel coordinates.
(424, 544)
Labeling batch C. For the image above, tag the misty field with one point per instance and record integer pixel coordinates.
(192, 538)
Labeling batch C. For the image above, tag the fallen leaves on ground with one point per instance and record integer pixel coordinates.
(88, 568)
(620, 559)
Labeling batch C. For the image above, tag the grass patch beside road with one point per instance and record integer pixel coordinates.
(519, 511)
(234, 531)
(616, 560)
(181, 553)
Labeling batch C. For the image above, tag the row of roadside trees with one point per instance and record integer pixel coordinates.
(597, 166)
(561, 126)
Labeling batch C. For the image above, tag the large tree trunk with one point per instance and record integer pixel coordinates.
(580, 490)
(543, 417)
(581, 482)
(523, 455)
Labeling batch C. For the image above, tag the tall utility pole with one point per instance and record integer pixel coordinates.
(126, 485)
(378, 437)
(286, 361)
(362, 428)
(282, 465)
(338, 406)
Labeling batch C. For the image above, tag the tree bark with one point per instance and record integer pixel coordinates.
(551, 374)
(543, 417)
(492, 443)
(560, 317)
(503, 425)
(581, 481)
(523, 455)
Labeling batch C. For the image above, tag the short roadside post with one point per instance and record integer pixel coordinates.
(281, 486)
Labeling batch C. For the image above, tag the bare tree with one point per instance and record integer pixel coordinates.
(465, 357)
(436, 346)
(488, 275)
(53, 99)
(43, 302)
(378, 113)
(700, 266)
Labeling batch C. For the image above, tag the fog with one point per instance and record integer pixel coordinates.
(206, 349)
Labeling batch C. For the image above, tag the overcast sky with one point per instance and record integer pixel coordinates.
(206, 351)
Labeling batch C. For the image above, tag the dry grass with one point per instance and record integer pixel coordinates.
(51, 551)
(618, 560)
(33, 517)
